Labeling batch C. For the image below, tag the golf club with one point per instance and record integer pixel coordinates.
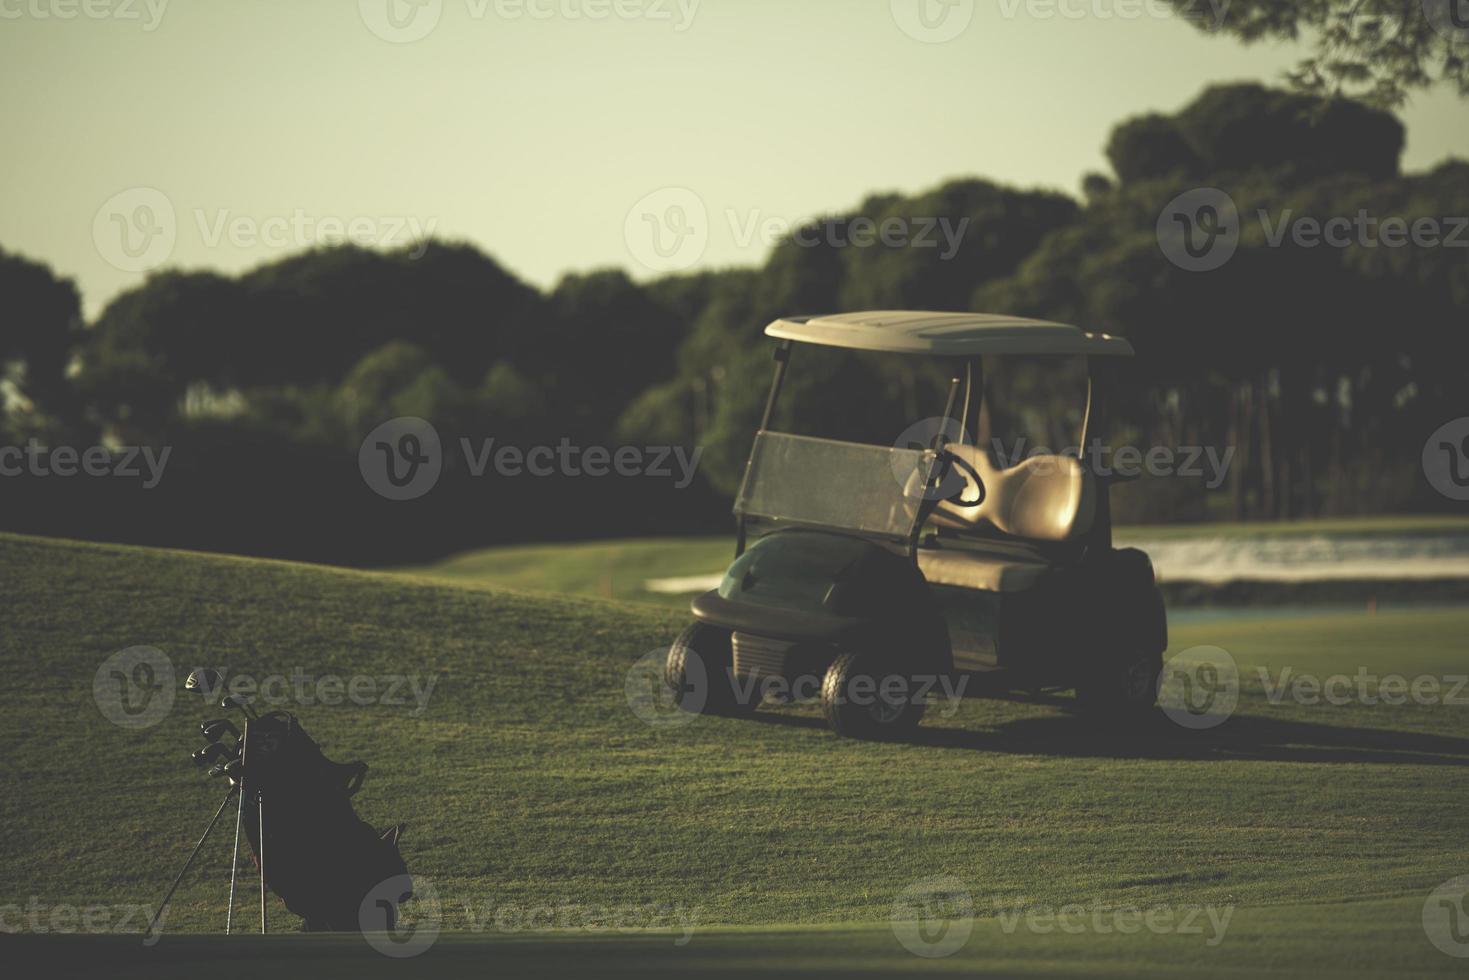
(210, 754)
(240, 703)
(203, 680)
(212, 730)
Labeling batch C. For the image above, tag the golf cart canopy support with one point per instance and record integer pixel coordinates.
(947, 334)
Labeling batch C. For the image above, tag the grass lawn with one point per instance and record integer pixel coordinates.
(530, 786)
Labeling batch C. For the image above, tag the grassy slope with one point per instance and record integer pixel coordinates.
(619, 569)
(528, 781)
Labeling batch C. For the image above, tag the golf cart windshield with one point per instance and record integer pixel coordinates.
(804, 481)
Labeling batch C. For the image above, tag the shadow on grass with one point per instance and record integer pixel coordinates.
(1242, 737)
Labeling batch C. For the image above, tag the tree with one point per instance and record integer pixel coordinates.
(1374, 50)
(40, 326)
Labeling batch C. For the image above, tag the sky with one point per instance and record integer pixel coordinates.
(561, 135)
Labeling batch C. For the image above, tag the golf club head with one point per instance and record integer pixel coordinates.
(216, 728)
(211, 753)
(230, 769)
(238, 702)
(203, 680)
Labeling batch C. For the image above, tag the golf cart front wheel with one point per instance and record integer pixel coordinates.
(700, 672)
(859, 699)
(1123, 688)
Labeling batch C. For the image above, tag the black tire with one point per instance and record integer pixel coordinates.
(1122, 688)
(700, 672)
(863, 713)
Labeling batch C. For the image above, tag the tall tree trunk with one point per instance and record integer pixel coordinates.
(1267, 450)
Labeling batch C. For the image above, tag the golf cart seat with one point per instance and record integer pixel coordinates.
(1008, 541)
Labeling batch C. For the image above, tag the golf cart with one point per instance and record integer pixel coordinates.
(873, 576)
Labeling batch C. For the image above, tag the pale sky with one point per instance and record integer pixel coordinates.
(534, 128)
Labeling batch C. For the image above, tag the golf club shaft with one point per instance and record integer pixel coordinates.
(260, 818)
(195, 853)
(229, 918)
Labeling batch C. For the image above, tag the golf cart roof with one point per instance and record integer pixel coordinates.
(955, 334)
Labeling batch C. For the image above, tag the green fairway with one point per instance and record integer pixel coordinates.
(534, 794)
(622, 569)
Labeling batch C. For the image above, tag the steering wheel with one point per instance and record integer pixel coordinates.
(957, 498)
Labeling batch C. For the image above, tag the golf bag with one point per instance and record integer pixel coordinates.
(318, 855)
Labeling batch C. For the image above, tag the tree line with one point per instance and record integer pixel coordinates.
(1325, 359)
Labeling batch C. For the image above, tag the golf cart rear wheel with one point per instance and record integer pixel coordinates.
(700, 672)
(1125, 687)
(860, 699)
